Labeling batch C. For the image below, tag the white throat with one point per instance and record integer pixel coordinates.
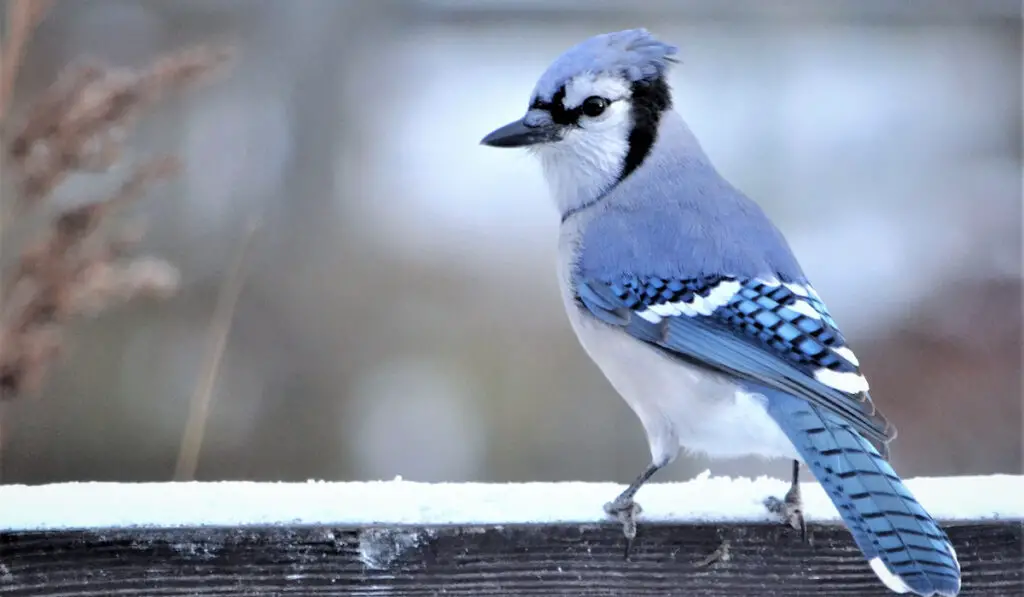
(579, 172)
(590, 158)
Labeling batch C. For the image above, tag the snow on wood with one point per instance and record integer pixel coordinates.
(705, 499)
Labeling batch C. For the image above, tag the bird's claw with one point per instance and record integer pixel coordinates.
(789, 510)
(625, 510)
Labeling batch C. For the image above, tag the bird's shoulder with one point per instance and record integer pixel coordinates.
(679, 219)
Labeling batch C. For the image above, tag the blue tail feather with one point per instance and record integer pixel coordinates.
(904, 545)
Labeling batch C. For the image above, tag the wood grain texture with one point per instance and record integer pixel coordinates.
(550, 560)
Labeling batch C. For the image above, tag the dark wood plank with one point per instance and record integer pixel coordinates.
(551, 560)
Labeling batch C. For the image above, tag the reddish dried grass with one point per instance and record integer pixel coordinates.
(81, 265)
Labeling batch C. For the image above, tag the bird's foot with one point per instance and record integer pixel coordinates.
(625, 510)
(789, 510)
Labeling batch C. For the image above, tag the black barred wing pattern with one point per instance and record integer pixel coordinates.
(766, 332)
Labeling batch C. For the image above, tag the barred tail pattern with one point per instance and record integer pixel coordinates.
(903, 544)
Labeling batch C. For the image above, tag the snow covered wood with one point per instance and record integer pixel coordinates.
(709, 536)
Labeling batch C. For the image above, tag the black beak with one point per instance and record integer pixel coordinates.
(520, 134)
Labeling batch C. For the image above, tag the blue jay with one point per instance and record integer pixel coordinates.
(693, 306)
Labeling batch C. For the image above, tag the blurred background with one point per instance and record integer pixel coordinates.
(400, 314)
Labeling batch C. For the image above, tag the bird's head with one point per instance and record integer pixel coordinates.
(594, 113)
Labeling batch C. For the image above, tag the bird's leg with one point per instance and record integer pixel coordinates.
(625, 510)
(790, 508)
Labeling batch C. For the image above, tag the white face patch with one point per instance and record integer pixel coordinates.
(588, 84)
(591, 155)
(589, 158)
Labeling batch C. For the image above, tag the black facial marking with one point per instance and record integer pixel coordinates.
(556, 108)
(561, 115)
(650, 100)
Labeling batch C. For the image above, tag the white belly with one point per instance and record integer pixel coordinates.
(678, 404)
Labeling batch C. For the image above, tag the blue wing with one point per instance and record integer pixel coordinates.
(766, 333)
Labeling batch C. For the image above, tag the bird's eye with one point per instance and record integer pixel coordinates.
(594, 106)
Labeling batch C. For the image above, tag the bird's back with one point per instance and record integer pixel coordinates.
(678, 217)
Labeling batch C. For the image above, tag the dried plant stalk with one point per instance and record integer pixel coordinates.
(77, 267)
(23, 16)
(202, 398)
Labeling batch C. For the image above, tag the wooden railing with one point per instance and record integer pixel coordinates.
(705, 537)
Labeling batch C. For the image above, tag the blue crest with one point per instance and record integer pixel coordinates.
(633, 54)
